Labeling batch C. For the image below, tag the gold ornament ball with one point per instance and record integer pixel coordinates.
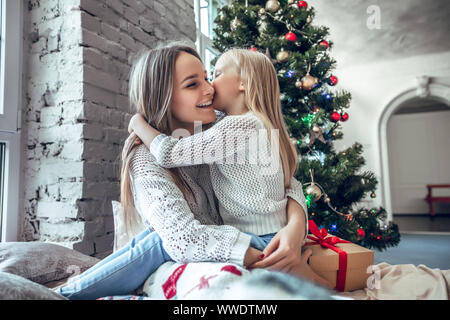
(316, 129)
(315, 191)
(261, 12)
(309, 81)
(373, 195)
(235, 23)
(282, 56)
(272, 6)
(298, 84)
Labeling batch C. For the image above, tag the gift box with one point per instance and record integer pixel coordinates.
(343, 263)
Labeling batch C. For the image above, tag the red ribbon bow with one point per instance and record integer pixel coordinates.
(320, 237)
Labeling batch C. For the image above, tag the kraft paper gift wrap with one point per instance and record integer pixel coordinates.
(346, 265)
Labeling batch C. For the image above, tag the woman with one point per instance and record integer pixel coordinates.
(168, 86)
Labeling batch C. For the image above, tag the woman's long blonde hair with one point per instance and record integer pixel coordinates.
(262, 96)
(150, 94)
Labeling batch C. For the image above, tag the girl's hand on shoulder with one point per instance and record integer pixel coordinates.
(135, 120)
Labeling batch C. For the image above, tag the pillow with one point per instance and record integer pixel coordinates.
(121, 237)
(13, 287)
(225, 281)
(42, 262)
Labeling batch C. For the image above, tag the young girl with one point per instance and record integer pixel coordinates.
(176, 205)
(250, 191)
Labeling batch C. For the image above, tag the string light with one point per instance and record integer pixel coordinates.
(326, 198)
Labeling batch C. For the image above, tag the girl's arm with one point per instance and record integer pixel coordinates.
(295, 192)
(163, 205)
(142, 129)
(226, 138)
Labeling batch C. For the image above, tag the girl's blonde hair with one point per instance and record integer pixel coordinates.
(262, 96)
(150, 94)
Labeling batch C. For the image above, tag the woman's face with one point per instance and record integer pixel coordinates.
(192, 94)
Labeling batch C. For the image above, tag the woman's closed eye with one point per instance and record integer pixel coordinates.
(194, 84)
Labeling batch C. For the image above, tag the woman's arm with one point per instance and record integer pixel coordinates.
(284, 249)
(163, 205)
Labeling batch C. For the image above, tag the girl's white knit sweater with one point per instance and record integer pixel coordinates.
(245, 168)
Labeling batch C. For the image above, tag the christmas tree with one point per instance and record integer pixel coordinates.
(313, 110)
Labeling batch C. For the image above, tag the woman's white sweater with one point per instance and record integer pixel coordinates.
(245, 169)
(188, 224)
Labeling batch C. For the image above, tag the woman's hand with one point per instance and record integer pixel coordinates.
(284, 250)
(251, 256)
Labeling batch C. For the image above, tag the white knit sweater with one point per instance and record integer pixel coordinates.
(247, 178)
(189, 225)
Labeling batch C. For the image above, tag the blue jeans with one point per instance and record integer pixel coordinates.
(125, 270)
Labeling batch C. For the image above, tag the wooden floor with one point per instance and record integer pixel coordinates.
(423, 223)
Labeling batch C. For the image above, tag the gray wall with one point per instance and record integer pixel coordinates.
(77, 56)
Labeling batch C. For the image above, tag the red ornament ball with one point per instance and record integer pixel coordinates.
(335, 116)
(290, 36)
(323, 44)
(254, 49)
(333, 80)
(344, 116)
(302, 4)
(361, 232)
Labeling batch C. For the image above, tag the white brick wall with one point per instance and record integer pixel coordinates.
(77, 60)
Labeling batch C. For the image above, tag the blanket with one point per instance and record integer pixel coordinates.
(404, 282)
(221, 281)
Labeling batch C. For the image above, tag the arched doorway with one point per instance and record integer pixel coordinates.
(428, 94)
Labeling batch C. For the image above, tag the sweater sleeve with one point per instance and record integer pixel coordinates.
(162, 204)
(295, 191)
(224, 139)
